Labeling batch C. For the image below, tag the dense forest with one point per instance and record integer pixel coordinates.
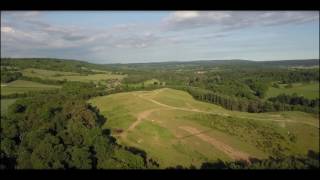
(9, 74)
(60, 130)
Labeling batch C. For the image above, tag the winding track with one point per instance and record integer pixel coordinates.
(208, 112)
(141, 116)
(228, 150)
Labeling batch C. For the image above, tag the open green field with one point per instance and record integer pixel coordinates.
(5, 103)
(21, 86)
(70, 76)
(175, 129)
(146, 83)
(310, 90)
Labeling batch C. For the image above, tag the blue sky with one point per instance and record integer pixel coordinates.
(155, 36)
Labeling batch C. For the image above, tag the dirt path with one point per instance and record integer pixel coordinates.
(228, 150)
(223, 114)
(140, 117)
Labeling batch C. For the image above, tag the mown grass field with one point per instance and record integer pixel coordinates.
(310, 91)
(70, 76)
(21, 86)
(175, 129)
(5, 103)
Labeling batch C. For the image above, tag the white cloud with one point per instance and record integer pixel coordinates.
(180, 15)
(7, 29)
(228, 20)
(31, 34)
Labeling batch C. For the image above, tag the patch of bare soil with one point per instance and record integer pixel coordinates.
(231, 152)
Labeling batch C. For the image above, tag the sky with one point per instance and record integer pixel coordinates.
(156, 36)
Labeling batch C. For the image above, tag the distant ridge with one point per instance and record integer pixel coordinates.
(71, 64)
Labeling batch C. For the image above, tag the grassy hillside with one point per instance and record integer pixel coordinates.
(21, 86)
(310, 90)
(174, 129)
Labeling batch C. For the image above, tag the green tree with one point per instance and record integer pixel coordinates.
(80, 157)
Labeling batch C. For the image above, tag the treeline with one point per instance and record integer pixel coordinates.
(240, 83)
(228, 102)
(209, 64)
(284, 102)
(28, 94)
(61, 131)
(168, 76)
(247, 105)
(8, 76)
(80, 89)
(310, 161)
(294, 99)
(83, 90)
(301, 75)
(43, 81)
(52, 64)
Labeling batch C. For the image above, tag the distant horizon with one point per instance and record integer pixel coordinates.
(144, 62)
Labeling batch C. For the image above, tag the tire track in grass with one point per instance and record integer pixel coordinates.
(228, 150)
(141, 116)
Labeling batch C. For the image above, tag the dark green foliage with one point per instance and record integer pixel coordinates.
(290, 162)
(295, 102)
(51, 64)
(294, 99)
(83, 90)
(58, 131)
(49, 153)
(260, 88)
(80, 157)
(30, 94)
(44, 81)
(300, 75)
(280, 103)
(8, 75)
(228, 102)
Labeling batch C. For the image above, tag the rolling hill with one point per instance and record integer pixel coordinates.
(175, 129)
